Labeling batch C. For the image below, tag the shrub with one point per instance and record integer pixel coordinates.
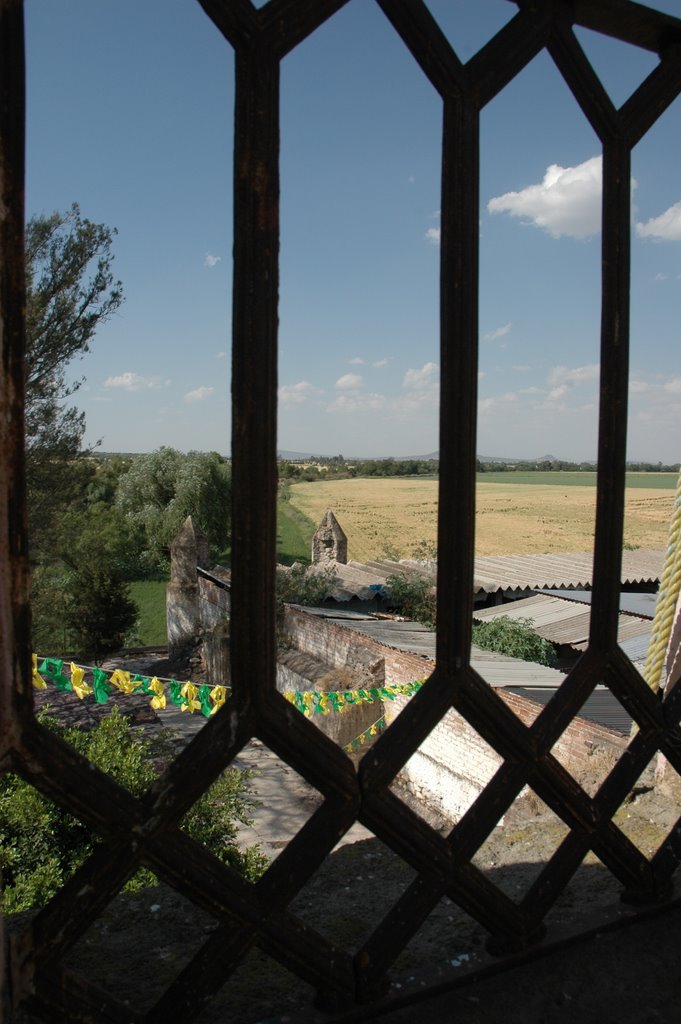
(297, 585)
(414, 596)
(41, 844)
(516, 638)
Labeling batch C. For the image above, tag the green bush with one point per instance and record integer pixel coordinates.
(41, 844)
(414, 596)
(298, 585)
(516, 638)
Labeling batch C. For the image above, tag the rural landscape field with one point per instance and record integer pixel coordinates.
(534, 514)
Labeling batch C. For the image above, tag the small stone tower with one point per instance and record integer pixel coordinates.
(329, 543)
(189, 549)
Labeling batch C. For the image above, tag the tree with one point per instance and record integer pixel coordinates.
(81, 600)
(98, 610)
(160, 490)
(70, 292)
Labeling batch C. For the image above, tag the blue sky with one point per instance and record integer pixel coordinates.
(129, 113)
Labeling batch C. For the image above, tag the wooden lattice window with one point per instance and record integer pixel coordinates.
(146, 831)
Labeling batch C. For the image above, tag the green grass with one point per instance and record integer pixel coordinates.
(294, 534)
(150, 598)
(656, 481)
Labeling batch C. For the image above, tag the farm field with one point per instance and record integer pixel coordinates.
(397, 517)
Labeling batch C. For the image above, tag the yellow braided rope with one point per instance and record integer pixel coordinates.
(670, 585)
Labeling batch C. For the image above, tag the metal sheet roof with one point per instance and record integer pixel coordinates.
(496, 669)
(509, 573)
(535, 682)
(560, 621)
(561, 571)
(601, 707)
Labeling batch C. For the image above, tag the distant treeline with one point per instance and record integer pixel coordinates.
(336, 467)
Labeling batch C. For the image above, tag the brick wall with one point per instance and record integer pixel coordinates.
(454, 763)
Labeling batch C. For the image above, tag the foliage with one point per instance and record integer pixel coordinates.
(299, 585)
(100, 534)
(413, 594)
(80, 595)
(70, 292)
(516, 638)
(161, 489)
(320, 467)
(99, 612)
(41, 844)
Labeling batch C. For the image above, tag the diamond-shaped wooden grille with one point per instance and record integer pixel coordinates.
(145, 831)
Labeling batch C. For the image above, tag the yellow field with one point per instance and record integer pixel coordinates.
(396, 517)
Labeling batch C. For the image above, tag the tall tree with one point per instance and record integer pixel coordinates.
(161, 489)
(71, 291)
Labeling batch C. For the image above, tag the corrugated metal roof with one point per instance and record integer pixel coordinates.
(636, 649)
(508, 574)
(642, 605)
(561, 571)
(496, 669)
(601, 707)
(536, 682)
(560, 621)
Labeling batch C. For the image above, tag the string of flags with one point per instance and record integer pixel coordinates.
(360, 740)
(187, 696)
(204, 697)
(323, 702)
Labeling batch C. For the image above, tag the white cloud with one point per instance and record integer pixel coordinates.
(349, 382)
(557, 393)
(660, 276)
(356, 361)
(133, 382)
(355, 403)
(296, 394)
(221, 355)
(565, 375)
(673, 386)
(638, 387)
(433, 236)
(498, 332)
(421, 379)
(210, 261)
(566, 202)
(199, 394)
(380, 363)
(666, 227)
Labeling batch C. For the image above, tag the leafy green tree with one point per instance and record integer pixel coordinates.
(160, 490)
(80, 598)
(70, 292)
(98, 610)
